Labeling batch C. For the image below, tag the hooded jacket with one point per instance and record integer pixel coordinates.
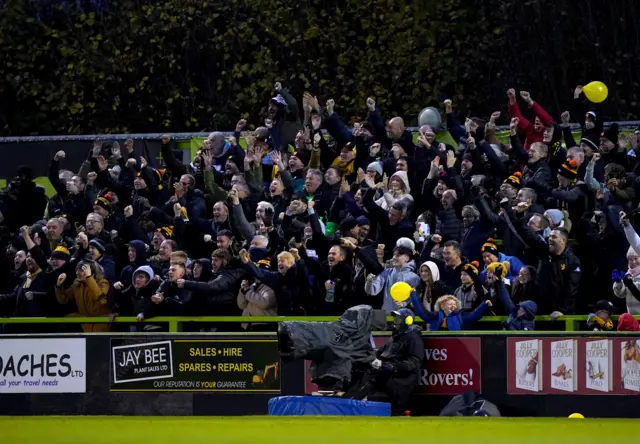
(515, 322)
(438, 288)
(131, 301)
(141, 259)
(90, 297)
(455, 321)
(385, 280)
(389, 199)
(515, 265)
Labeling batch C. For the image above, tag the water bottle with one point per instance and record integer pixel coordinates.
(330, 293)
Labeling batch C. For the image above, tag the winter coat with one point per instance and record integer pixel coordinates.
(219, 293)
(387, 200)
(559, 279)
(438, 288)
(343, 297)
(259, 300)
(291, 289)
(405, 352)
(515, 322)
(385, 280)
(41, 303)
(90, 298)
(474, 237)
(455, 321)
(132, 301)
(515, 265)
(141, 259)
(469, 297)
(176, 301)
(387, 234)
(527, 127)
(449, 225)
(537, 172)
(623, 290)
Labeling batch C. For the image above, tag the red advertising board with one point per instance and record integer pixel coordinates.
(579, 366)
(451, 366)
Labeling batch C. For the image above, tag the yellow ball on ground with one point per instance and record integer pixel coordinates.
(576, 416)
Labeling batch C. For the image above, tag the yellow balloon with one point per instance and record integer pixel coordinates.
(596, 92)
(576, 416)
(400, 291)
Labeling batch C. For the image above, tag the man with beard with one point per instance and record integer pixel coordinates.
(558, 272)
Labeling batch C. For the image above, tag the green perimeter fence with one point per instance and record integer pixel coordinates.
(175, 323)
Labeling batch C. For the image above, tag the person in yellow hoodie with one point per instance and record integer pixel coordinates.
(89, 292)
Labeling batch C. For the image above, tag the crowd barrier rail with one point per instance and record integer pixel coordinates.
(569, 323)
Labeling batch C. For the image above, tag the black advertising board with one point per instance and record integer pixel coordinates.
(195, 365)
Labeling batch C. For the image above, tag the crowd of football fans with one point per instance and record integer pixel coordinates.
(313, 217)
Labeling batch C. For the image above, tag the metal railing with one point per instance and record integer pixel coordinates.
(175, 323)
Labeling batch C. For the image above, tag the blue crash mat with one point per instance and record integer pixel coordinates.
(324, 406)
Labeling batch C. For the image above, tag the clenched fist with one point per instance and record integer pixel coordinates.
(61, 279)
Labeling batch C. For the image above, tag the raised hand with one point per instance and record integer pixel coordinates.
(102, 163)
(244, 256)
(495, 116)
(59, 156)
(371, 104)
(278, 86)
(511, 94)
(448, 106)
(240, 125)
(180, 283)
(166, 139)
(128, 211)
(526, 97)
(179, 190)
(118, 286)
(565, 117)
(61, 279)
(374, 149)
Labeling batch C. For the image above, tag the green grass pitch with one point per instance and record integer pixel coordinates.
(312, 430)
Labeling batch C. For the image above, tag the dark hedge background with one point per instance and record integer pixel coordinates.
(190, 65)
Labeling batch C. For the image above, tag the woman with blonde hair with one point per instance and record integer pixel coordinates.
(89, 292)
(447, 315)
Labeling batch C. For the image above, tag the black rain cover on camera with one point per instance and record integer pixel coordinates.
(333, 347)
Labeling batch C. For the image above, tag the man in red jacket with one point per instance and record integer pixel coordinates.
(533, 132)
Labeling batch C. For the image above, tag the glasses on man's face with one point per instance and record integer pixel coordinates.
(92, 221)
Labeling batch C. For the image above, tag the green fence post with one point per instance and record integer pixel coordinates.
(174, 326)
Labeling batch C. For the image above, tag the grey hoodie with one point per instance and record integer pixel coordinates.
(386, 279)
